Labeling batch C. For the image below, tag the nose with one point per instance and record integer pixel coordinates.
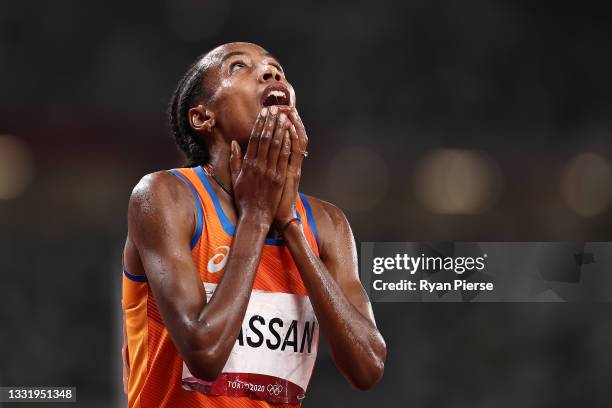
(269, 73)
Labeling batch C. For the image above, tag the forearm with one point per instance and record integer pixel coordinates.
(356, 345)
(220, 320)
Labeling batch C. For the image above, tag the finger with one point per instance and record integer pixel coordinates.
(277, 141)
(283, 158)
(235, 161)
(301, 131)
(284, 109)
(297, 156)
(266, 137)
(251, 152)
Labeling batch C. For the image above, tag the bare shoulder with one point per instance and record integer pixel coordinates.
(160, 203)
(333, 228)
(159, 185)
(156, 190)
(325, 212)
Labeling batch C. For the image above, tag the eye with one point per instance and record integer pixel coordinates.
(236, 66)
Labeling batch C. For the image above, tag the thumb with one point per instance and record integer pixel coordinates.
(235, 160)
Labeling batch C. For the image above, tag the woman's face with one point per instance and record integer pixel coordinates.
(248, 78)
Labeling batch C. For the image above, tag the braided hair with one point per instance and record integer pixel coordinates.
(190, 90)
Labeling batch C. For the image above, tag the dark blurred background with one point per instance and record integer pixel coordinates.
(428, 120)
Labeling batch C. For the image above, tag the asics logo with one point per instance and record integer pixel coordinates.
(274, 389)
(218, 261)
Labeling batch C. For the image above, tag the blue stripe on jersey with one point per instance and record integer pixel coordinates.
(198, 232)
(135, 278)
(228, 227)
(311, 220)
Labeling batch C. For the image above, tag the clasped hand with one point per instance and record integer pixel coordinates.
(265, 181)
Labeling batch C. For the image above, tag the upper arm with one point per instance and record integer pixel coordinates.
(338, 252)
(161, 223)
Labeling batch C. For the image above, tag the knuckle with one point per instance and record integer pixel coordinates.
(270, 173)
(276, 142)
(247, 164)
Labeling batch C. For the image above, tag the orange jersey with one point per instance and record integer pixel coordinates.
(272, 360)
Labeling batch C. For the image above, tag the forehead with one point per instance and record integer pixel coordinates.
(219, 54)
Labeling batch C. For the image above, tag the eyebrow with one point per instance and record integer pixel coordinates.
(233, 53)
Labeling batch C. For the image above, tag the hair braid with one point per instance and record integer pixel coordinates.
(188, 91)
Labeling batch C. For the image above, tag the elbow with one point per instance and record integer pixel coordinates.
(204, 353)
(205, 358)
(371, 373)
(204, 373)
(205, 364)
(369, 378)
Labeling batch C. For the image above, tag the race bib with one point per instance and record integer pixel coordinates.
(274, 354)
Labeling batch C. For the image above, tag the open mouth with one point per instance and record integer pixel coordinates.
(275, 95)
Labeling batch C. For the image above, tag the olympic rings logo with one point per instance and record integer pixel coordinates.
(274, 389)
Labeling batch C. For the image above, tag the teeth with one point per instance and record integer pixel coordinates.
(279, 94)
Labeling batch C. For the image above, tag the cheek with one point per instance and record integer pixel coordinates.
(241, 126)
(225, 83)
(237, 108)
(238, 119)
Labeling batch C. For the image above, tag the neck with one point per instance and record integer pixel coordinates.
(219, 162)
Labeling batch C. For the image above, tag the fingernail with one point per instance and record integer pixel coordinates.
(273, 110)
(264, 111)
(233, 146)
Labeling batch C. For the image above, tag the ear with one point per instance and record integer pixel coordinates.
(200, 119)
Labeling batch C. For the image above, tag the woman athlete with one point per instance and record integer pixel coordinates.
(229, 271)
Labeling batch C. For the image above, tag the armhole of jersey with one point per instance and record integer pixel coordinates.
(134, 278)
(309, 216)
(198, 232)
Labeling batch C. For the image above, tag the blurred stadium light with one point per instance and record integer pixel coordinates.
(457, 181)
(16, 167)
(586, 184)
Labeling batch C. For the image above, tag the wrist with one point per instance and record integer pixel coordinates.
(292, 229)
(259, 224)
(281, 220)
